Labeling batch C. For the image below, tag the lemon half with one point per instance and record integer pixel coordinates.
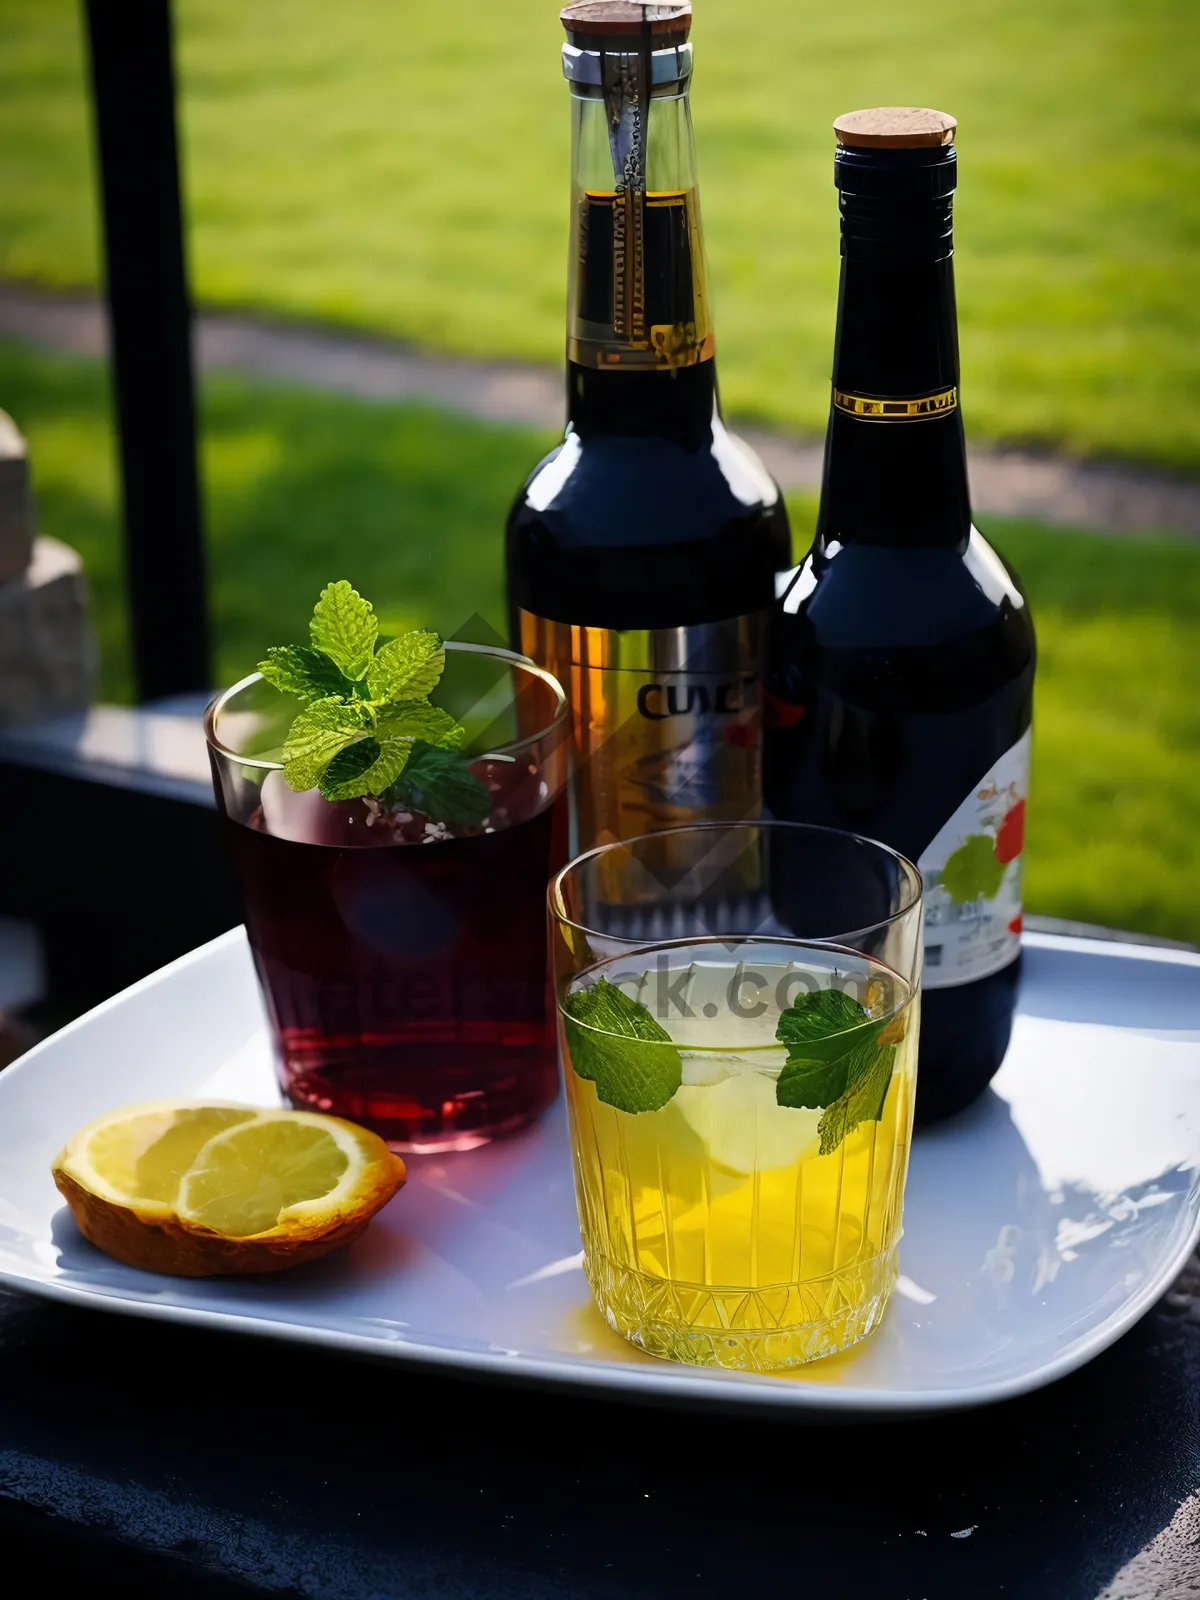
(197, 1188)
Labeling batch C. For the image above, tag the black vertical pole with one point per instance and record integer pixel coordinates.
(133, 90)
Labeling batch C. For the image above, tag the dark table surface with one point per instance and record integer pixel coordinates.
(143, 1458)
(155, 1459)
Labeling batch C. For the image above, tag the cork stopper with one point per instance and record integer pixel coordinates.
(607, 20)
(894, 128)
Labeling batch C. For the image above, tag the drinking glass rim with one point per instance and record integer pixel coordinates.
(911, 873)
(561, 711)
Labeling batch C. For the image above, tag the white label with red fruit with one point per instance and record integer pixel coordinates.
(972, 873)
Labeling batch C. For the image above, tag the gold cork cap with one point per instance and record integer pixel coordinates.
(894, 128)
(667, 24)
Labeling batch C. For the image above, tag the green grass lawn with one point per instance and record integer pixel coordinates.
(405, 169)
(410, 503)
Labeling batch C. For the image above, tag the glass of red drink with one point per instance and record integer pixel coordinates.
(403, 961)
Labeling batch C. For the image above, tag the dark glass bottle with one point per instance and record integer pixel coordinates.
(901, 677)
(642, 551)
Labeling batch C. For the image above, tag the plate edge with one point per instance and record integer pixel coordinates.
(608, 1376)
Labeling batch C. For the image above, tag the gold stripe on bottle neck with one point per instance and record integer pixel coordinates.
(874, 408)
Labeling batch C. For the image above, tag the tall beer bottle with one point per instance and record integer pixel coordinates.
(901, 681)
(641, 552)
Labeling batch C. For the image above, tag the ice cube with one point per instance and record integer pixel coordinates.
(743, 1129)
(704, 1067)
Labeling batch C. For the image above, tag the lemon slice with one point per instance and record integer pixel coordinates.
(288, 1171)
(196, 1188)
(141, 1153)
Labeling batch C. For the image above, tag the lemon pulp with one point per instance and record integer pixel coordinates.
(245, 1178)
(144, 1156)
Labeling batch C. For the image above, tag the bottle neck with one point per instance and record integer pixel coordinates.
(639, 339)
(895, 456)
(678, 404)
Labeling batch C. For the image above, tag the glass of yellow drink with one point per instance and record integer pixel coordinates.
(738, 1012)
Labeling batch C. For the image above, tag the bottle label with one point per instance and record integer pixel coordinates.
(972, 873)
(667, 721)
(881, 408)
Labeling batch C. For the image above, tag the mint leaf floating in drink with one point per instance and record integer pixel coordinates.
(870, 1074)
(812, 1085)
(840, 1060)
(822, 1031)
(814, 1026)
(615, 1042)
(367, 713)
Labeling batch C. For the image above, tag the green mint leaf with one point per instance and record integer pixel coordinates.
(870, 1092)
(835, 1063)
(344, 628)
(316, 736)
(340, 779)
(439, 783)
(415, 719)
(615, 1042)
(407, 668)
(303, 672)
(973, 870)
(812, 1085)
(396, 731)
(870, 1076)
(814, 1026)
(367, 767)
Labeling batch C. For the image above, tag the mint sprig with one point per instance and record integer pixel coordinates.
(840, 1060)
(614, 1041)
(367, 714)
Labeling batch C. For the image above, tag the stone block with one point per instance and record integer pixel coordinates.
(47, 660)
(16, 502)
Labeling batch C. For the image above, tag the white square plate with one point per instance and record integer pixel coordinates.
(1038, 1227)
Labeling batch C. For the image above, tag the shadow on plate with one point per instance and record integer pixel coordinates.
(378, 1253)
